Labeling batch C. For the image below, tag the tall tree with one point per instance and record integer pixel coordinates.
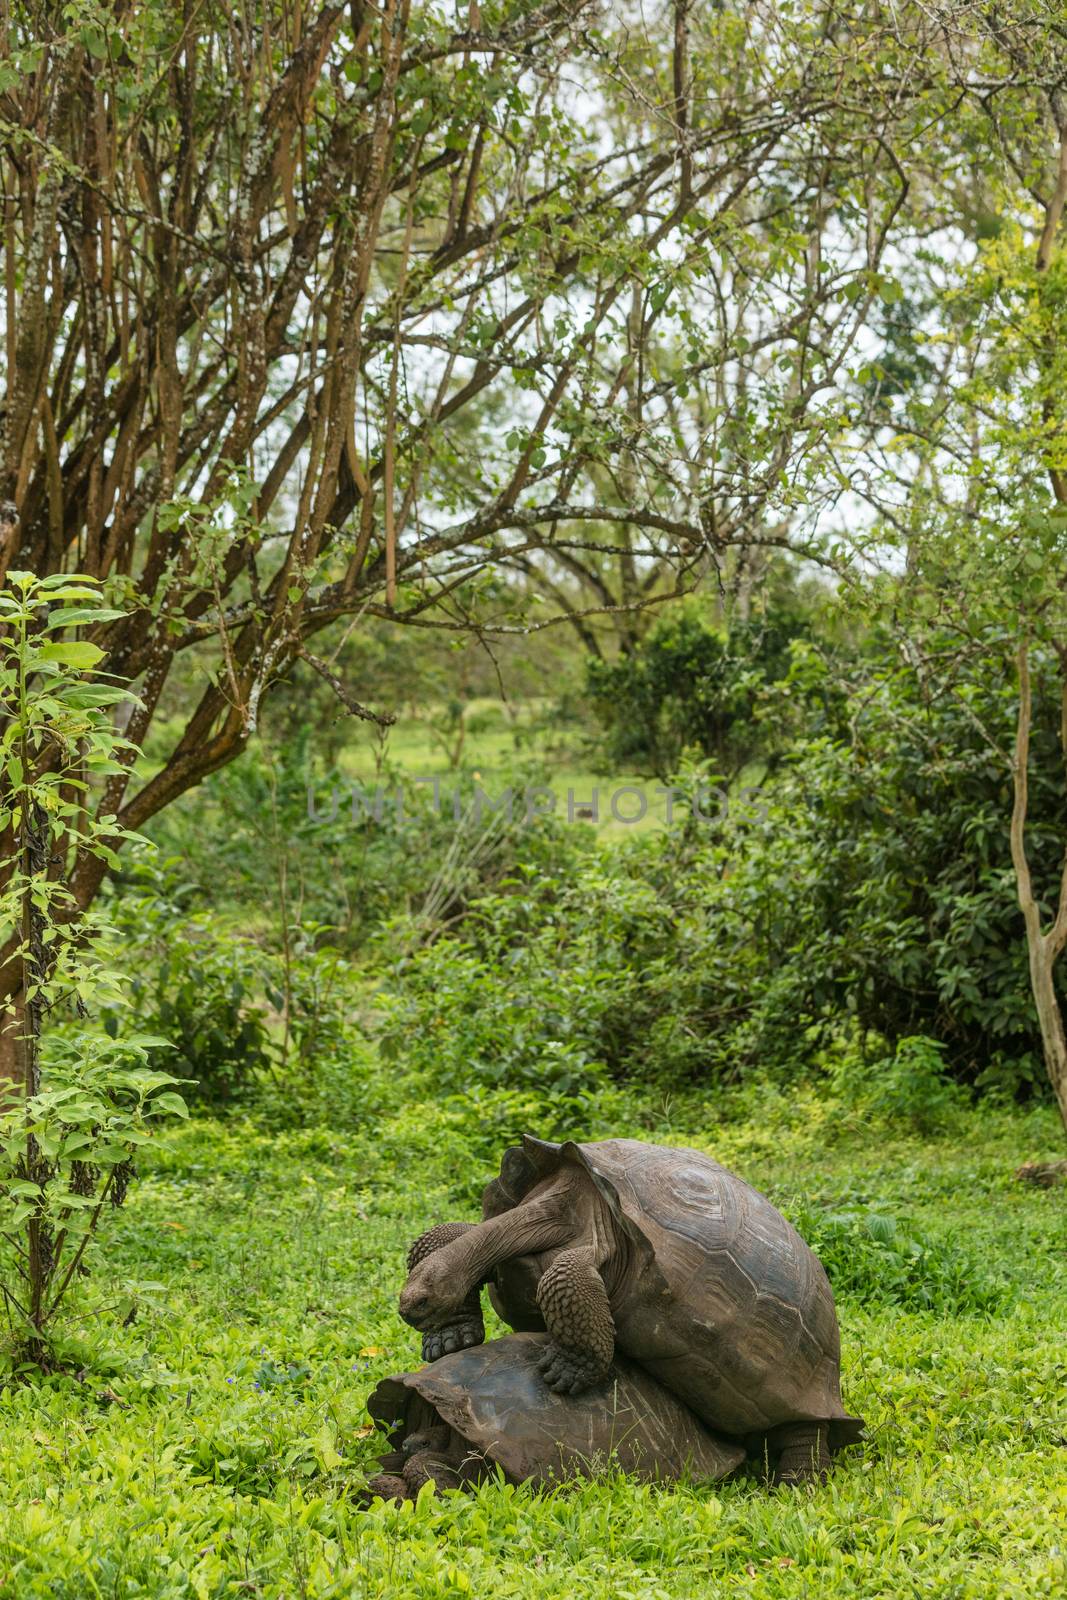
(320, 310)
(966, 471)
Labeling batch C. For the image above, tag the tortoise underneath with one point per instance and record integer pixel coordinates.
(661, 1254)
(485, 1407)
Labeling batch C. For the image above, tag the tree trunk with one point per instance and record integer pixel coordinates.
(1050, 1018)
(11, 1067)
(1042, 948)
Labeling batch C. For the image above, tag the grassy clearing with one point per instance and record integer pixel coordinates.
(212, 1449)
(494, 749)
(491, 751)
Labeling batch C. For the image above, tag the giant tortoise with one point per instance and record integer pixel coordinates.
(485, 1408)
(665, 1255)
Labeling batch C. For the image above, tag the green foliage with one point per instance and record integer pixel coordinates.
(205, 996)
(70, 1130)
(541, 990)
(278, 838)
(221, 1440)
(276, 833)
(869, 895)
(877, 1260)
(242, 1017)
(910, 1086)
(692, 686)
(879, 884)
(194, 981)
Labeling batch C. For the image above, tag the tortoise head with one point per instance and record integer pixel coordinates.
(433, 1293)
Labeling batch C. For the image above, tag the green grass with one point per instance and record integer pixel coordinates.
(490, 753)
(214, 1447)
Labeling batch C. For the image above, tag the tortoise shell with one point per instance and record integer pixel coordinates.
(723, 1302)
(492, 1396)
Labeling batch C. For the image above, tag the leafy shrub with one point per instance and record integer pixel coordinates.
(204, 997)
(239, 1016)
(315, 983)
(870, 895)
(199, 985)
(466, 1019)
(873, 885)
(276, 833)
(877, 1260)
(879, 883)
(689, 685)
(488, 719)
(910, 1086)
(75, 1117)
(523, 998)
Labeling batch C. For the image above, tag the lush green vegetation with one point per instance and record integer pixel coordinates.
(216, 1446)
(533, 596)
(205, 1432)
(366, 1012)
(851, 881)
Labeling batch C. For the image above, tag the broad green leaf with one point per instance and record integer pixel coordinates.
(170, 1103)
(69, 593)
(75, 616)
(77, 653)
(57, 579)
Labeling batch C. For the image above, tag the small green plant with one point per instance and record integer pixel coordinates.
(195, 982)
(910, 1086)
(72, 1123)
(879, 1260)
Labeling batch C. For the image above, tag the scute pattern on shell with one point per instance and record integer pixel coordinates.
(728, 1307)
(492, 1396)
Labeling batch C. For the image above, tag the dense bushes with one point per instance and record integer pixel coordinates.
(880, 884)
(278, 832)
(869, 897)
(203, 991)
(540, 989)
(710, 690)
(859, 908)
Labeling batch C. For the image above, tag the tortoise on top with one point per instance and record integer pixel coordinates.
(667, 1255)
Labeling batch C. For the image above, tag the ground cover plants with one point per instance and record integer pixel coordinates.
(215, 1446)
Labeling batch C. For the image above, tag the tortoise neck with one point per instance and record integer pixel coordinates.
(526, 1230)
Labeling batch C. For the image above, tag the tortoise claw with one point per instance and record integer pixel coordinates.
(426, 1467)
(568, 1371)
(440, 1342)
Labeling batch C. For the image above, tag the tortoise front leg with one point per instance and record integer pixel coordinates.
(577, 1313)
(467, 1328)
(386, 1486)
